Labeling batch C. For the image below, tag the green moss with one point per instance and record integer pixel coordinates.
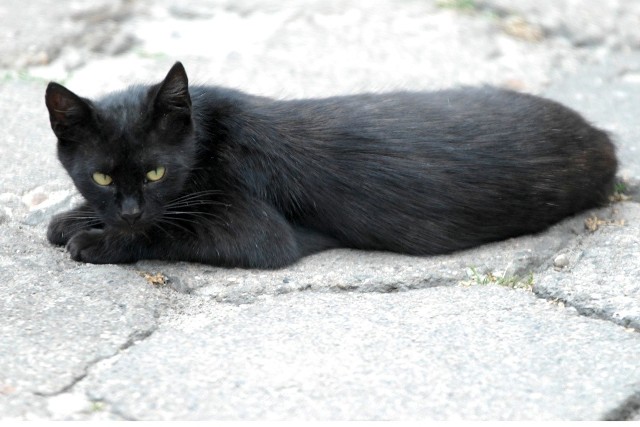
(513, 282)
(620, 187)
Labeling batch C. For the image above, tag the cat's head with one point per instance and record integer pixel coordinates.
(130, 153)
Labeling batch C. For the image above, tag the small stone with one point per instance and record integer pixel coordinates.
(561, 261)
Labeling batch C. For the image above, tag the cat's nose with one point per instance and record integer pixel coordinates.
(131, 217)
(130, 211)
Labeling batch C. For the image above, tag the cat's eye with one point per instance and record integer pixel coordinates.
(156, 174)
(102, 178)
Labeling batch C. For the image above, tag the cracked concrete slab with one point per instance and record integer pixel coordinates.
(601, 277)
(343, 334)
(59, 318)
(310, 355)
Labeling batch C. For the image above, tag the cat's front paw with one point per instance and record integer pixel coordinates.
(86, 246)
(59, 232)
(97, 246)
(65, 225)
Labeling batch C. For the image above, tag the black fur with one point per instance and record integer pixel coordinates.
(259, 183)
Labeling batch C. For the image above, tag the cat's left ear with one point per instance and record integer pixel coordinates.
(173, 93)
(66, 109)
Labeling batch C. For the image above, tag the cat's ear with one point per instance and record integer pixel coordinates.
(173, 93)
(66, 109)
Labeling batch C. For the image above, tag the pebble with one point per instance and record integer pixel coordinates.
(561, 261)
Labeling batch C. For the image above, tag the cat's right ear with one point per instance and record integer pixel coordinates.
(66, 109)
(173, 92)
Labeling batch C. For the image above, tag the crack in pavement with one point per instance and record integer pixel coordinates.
(629, 410)
(591, 312)
(134, 338)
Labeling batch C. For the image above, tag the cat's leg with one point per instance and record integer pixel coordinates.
(105, 246)
(249, 234)
(63, 226)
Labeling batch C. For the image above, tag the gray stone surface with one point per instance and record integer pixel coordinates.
(446, 353)
(601, 278)
(538, 327)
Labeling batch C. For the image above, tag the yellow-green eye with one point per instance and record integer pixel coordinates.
(102, 178)
(156, 174)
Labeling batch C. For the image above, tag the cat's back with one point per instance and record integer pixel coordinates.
(456, 113)
(422, 133)
(431, 172)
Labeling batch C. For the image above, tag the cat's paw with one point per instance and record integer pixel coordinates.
(59, 231)
(65, 225)
(86, 246)
(97, 246)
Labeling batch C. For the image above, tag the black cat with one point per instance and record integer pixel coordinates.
(217, 176)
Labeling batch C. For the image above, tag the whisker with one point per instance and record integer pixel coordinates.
(87, 220)
(196, 203)
(175, 224)
(83, 226)
(197, 221)
(196, 194)
(157, 226)
(200, 215)
(93, 218)
(174, 212)
(178, 219)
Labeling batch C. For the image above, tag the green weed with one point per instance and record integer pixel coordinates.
(513, 282)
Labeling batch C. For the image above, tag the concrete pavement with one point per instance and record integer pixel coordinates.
(539, 327)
